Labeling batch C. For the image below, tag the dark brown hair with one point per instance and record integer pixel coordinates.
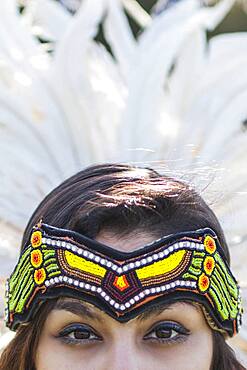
(120, 199)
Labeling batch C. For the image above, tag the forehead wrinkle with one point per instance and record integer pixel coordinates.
(77, 307)
(161, 307)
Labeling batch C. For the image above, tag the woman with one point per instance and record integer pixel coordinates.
(122, 268)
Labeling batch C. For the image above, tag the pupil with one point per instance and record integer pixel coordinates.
(79, 334)
(163, 333)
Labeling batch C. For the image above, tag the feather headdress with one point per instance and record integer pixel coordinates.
(170, 99)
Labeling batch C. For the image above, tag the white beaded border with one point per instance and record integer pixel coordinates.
(122, 307)
(124, 268)
(239, 316)
(6, 309)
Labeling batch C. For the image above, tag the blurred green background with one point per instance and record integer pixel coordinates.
(235, 21)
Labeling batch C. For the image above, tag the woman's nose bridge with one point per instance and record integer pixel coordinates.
(123, 355)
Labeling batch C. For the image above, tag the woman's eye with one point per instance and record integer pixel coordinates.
(167, 332)
(78, 334)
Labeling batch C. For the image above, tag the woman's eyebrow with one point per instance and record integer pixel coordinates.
(159, 308)
(154, 311)
(78, 308)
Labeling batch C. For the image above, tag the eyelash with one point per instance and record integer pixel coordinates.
(169, 327)
(64, 335)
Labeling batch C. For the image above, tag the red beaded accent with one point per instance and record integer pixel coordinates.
(121, 283)
(36, 239)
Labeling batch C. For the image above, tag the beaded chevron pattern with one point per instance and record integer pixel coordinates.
(184, 266)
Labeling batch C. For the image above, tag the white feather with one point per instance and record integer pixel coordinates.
(46, 18)
(120, 37)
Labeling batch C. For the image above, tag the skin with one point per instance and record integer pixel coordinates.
(76, 335)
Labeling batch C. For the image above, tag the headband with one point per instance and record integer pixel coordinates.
(188, 266)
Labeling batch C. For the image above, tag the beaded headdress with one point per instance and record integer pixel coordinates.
(188, 266)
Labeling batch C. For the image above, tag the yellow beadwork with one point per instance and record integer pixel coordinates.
(36, 239)
(209, 244)
(203, 282)
(36, 258)
(81, 264)
(209, 264)
(39, 276)
(161, 267)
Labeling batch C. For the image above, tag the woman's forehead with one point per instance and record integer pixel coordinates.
(127, 243)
